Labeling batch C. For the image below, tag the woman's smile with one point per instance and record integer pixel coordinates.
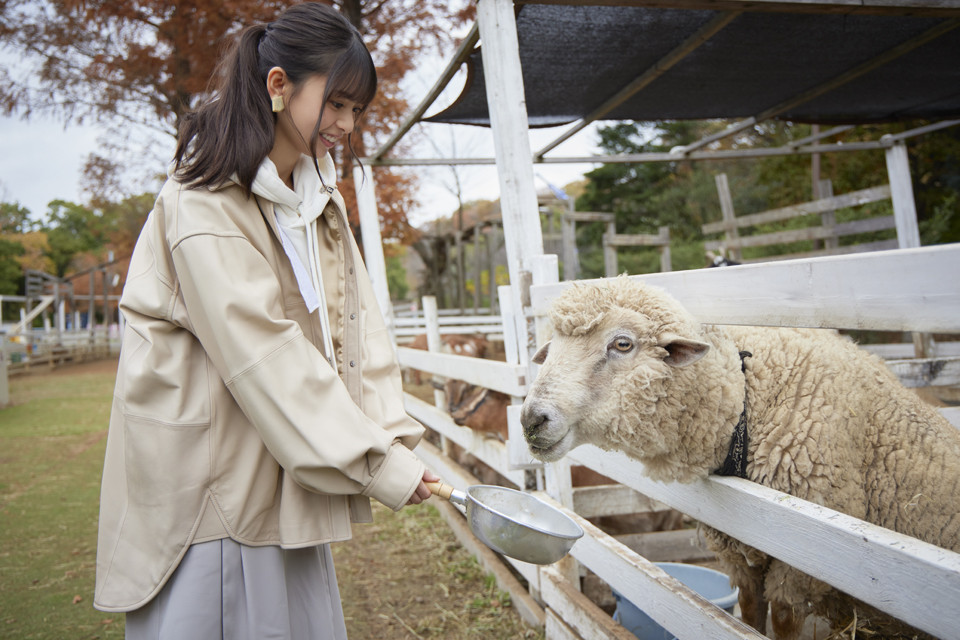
(329, 141)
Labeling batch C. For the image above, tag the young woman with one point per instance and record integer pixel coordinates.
(258, 404)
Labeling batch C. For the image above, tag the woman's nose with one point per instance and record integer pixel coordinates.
(345, 122)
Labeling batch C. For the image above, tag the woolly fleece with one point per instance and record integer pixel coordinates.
(827, 421)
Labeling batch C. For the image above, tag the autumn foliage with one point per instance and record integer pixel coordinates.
(144, 63)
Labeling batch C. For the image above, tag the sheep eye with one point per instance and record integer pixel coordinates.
(623, 345)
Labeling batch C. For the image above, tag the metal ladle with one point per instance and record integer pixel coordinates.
(514, 523)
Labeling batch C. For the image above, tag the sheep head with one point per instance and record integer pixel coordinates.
(615, 349)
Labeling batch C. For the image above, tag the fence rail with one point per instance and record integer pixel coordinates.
(39, 347)
(909, 579)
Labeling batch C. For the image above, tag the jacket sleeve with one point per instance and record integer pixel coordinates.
(283, 384)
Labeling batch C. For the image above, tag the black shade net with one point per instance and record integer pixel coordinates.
(575, 58)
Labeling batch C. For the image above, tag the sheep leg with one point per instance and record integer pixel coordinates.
(787, 620)
(753, 602)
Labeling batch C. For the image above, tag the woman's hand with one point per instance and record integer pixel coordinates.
(422, 492)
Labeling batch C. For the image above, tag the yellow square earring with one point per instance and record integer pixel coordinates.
(277, 102)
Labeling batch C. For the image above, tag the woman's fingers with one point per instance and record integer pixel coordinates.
(422, 492)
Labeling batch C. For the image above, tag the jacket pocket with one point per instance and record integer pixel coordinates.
(165, 474)
(165, 376)
(167, 466)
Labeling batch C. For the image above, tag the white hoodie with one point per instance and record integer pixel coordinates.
(297, 212)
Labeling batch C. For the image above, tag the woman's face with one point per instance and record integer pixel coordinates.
(304, 109)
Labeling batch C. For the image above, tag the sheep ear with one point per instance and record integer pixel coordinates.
(681, 351)
(541, 354)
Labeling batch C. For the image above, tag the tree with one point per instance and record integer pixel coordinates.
(646, 196)
(396, 273)
(683, 196)
(11, 275)
(73, 229)
(35, 250)
(14, 218)
(934, 168)
(124, 220)
(143, 63)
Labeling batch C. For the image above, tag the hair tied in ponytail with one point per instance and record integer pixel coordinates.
(233, 132)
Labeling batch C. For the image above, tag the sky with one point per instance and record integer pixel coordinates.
(41, 159)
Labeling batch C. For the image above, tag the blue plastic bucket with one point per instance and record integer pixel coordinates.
(712, 585)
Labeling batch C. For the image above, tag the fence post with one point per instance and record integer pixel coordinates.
(492, 287)
(106, 314)
(476, 269)
(905, 213)
(901, 192)
(828, 218)
(92, 311)
(665, 261)
(461, 276)
(610, 251)
(726, 206)
(568, 235)
(511, 346)
(4, 385)
(434, 345)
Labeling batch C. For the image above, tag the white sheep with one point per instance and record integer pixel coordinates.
(630, 369)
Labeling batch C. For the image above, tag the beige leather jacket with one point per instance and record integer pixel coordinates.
(227, 419)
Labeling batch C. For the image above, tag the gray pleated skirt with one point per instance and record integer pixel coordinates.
(223, 590)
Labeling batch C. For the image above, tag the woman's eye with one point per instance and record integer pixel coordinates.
(622, 345)
(337, 105)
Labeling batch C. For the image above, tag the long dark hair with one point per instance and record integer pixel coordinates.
(234, 131)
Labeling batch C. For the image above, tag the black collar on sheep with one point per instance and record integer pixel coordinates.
(736, 461)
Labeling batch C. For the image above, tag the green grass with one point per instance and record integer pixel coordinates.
(406, 571)
(52, 442)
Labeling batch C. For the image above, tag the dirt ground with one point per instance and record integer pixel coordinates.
(406, 576)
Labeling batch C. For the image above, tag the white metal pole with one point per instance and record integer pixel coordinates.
(373, 244)
(508, 120)
(901, 192)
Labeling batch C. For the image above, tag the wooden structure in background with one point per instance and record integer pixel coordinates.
(829, 231)
(70, 331)
(888, 290)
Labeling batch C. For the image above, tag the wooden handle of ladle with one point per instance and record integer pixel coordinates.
(440, 489)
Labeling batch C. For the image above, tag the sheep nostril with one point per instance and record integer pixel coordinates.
(532, 423)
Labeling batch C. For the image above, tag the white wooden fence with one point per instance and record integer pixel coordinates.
(48, 347)
(408, 328)
(829, 231)
(901, 290)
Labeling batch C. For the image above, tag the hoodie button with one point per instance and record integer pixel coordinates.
(352, 363)
(353, 316)
(351, 270)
